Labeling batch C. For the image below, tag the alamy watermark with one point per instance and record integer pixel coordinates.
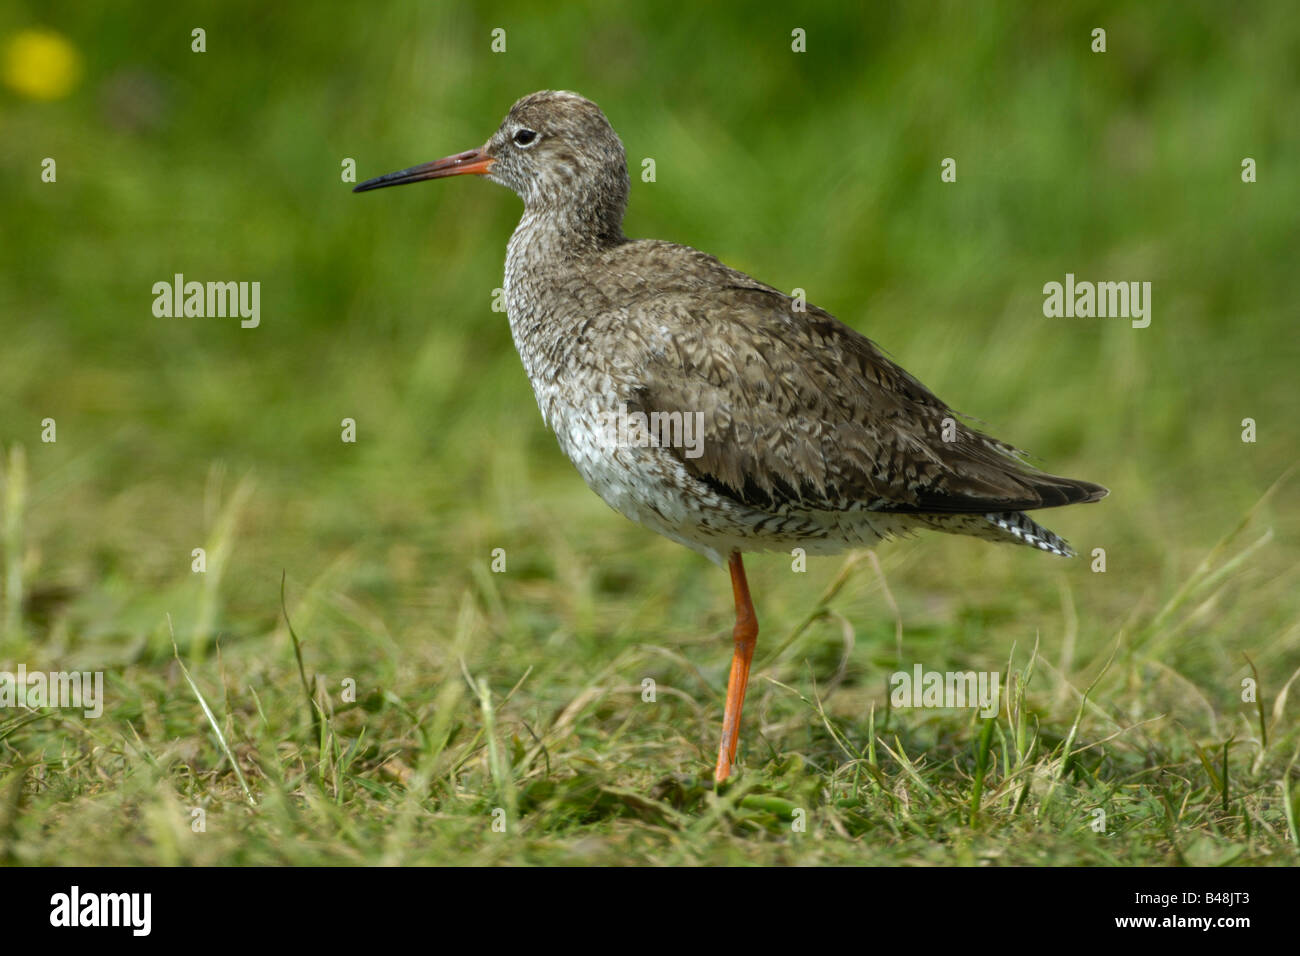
(213, 300)
(922, 688)
(1086, 300)
(624, 429)
(77, 689)
(75, 908)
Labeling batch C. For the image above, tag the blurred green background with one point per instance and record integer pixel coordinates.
(817, 170)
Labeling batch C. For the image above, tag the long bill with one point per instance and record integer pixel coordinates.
(473, 162)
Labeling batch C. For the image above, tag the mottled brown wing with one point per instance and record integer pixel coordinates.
(802, 411)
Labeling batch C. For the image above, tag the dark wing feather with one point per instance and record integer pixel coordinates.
(802, 411)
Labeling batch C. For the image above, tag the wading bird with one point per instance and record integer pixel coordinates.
(811, 437)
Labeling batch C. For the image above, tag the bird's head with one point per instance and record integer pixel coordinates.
(554, 148)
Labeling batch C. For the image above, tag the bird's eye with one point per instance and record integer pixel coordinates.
(524, 137)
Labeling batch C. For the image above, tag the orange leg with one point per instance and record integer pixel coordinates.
(746, 636)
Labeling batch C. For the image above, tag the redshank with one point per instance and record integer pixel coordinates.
(710, 407)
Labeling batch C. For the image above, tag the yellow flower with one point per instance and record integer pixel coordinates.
(41, 65)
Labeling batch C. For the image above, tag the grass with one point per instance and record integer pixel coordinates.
(447, 739)
(349, 681)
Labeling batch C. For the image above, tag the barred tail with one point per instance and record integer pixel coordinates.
(1025, 530)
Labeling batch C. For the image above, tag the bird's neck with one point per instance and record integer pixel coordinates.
(558, 233)
(544, 272)
(547, 243)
